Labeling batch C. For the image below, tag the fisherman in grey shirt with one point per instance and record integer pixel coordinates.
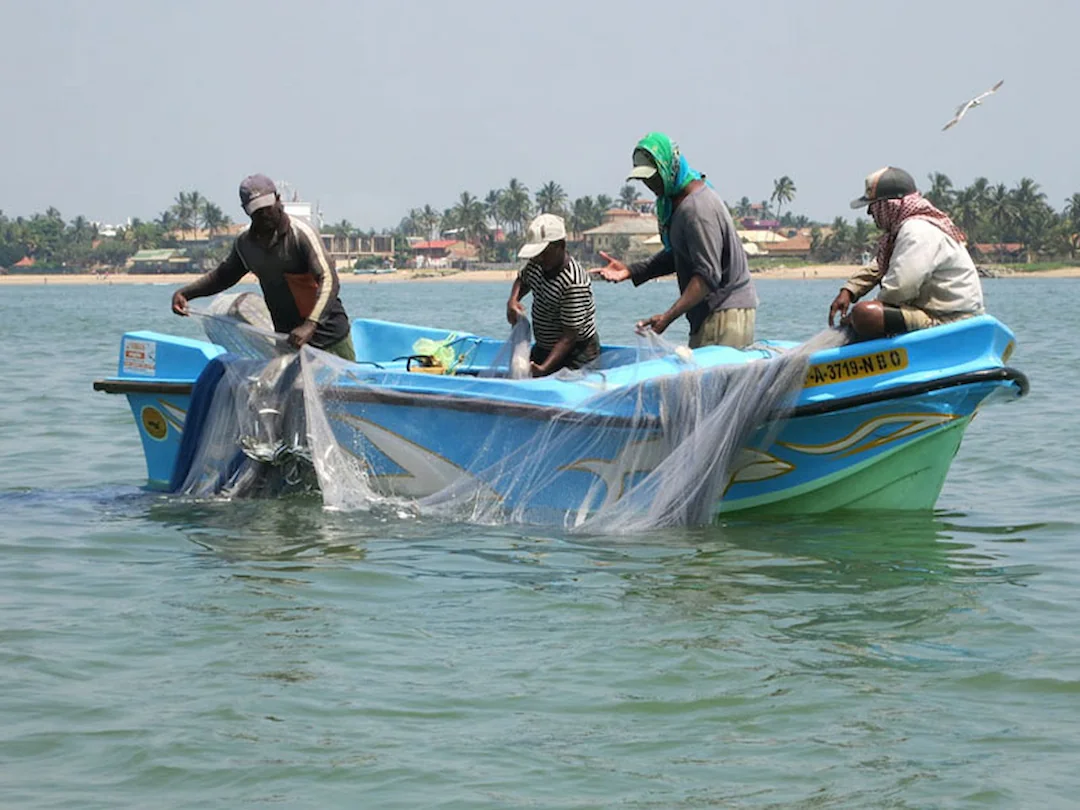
(701, 247)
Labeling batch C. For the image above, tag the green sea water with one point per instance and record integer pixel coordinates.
(155, 654)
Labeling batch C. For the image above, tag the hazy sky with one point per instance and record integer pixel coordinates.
(112, 106)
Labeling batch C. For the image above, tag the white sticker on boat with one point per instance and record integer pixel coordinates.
(140, 357)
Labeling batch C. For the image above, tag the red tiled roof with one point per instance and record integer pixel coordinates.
(25, 261)
(1007, 247)
(796, 244)
(439, 244)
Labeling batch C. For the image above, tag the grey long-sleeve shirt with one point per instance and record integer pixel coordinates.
(703, 243)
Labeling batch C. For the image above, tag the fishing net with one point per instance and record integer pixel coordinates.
(648, 439)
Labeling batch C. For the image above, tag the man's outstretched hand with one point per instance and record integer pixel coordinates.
(615, 271)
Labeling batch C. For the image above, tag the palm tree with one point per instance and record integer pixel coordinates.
(183, 212)
(783, 192)
(1033, 216)
(1001, 211)
(603, 203)
(431, 221)
(628, 196)
(1072, 210)
(838, 244)
(584, 214)
(551, 198)
(743, 209)
(1071, 220)
(343, 228)
(941, 190)
(862, 238)
(516, 205)
(470, 216)
(411, 224)
(82, 230)
(492, 205)
(967, 212)
(196, 200)
(214, 219)
(166, 221)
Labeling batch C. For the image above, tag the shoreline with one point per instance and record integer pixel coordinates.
(810, 272)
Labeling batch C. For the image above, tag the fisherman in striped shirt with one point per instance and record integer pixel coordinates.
(563, 311)
(297, 278)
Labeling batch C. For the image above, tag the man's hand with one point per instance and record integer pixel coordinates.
(179, 303)
(615, 271)
(657, 323)
(840, 306)
(302, 334)
(537, 370)
(514, 310)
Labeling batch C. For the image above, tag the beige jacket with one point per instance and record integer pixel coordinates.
(929, 270)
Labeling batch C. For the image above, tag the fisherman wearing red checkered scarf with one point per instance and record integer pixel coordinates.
(925, 273)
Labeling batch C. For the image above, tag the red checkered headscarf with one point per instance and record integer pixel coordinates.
(893, 213)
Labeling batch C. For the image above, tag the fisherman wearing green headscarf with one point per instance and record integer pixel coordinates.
(701, 247)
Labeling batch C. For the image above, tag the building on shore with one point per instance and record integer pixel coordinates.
(200, 237)
(441, 253)
(797, 247)
(163, 260)
(346, 250)
(618, 223)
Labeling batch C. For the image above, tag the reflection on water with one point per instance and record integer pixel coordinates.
(222, 654)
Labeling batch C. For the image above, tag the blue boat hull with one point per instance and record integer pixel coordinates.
(875, 426)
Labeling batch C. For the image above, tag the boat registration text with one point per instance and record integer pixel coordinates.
(856, 368)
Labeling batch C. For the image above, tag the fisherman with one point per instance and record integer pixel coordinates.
(701, 247)
(298, 279)
(563, 310)
(925, 272)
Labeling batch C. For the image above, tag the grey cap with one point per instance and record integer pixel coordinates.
(257, 191)
(889, 183)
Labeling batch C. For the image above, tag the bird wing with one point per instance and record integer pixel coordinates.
(963, 108)
(989, 92)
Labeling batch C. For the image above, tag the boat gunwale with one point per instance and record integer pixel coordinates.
(570, 415)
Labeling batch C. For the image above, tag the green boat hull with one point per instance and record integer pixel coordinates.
(906, 478)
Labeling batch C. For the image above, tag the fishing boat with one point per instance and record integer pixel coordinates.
(872, 425)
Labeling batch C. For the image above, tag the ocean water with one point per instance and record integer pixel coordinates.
(156, 654)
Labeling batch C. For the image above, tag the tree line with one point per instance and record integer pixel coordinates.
(1001, 223)
(992, 215)
(78, 245)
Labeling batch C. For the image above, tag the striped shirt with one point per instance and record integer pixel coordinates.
(563, 303)
(297, 279)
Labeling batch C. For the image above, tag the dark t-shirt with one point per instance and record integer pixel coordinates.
(297, 279)
(703, 243)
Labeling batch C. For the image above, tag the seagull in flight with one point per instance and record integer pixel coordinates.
(961, 111)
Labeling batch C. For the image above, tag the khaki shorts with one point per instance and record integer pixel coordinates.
(343, 349)
(915, 318)
(726, 327)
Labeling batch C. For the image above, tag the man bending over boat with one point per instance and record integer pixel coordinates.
(701, 247)
(297, 278)
(925, 272)
(563, 310)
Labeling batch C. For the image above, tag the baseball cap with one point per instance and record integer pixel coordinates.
(644, 166)
(543, 230)
(889, 183)
(257, 191)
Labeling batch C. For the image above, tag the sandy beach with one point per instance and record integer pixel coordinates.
(825, 271)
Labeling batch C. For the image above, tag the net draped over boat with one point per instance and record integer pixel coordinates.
(653, 452)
